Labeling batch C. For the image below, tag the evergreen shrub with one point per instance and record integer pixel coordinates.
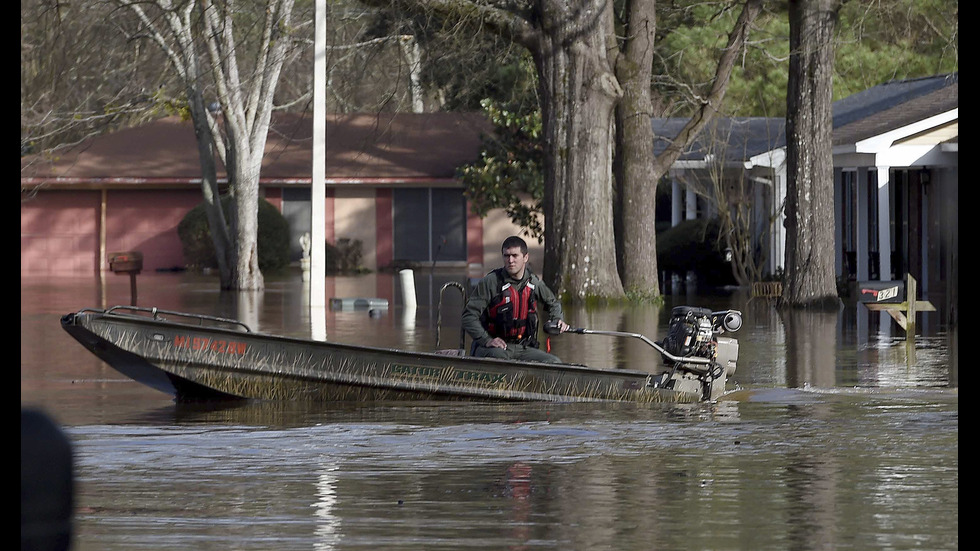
(273, 237)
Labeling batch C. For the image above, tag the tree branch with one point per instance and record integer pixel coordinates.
(505, 20)
(736, 40)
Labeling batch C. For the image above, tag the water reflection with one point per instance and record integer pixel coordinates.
(327, 528)
(839, 439)
(782, 476)
(518, 488)
(811, 348)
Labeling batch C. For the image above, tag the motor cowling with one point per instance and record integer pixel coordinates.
(690, 332)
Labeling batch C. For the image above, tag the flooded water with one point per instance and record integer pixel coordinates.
(842, 437)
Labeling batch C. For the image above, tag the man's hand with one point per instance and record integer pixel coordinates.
(555, 327)
(497, 342)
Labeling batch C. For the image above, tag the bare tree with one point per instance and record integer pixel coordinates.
(242, 93)
(642, 170)
(810, 280)
(746, 207)
(63, 47)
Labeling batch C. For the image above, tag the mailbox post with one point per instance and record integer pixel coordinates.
(899, 300)
(129, 262)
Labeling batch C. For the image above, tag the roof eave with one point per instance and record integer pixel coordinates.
(883, 141)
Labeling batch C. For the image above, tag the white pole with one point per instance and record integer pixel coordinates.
(407, 278)
(318, 191)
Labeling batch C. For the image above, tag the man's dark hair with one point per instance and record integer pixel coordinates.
(514, 241)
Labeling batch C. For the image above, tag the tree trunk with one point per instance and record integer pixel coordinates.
(247, 275)
(579, 93)
(639, 169)
(175, 37)
(243, 173)
(810, 280)
(246, 106)
(209, 187)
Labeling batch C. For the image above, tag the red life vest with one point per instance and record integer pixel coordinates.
(512, 315)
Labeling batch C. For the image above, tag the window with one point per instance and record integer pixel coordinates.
(429, 224)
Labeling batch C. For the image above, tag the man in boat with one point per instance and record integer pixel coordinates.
(501, 315)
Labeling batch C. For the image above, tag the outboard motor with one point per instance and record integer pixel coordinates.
(689, 332)
(693, 333)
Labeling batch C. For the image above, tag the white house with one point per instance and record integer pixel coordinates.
(895, 151)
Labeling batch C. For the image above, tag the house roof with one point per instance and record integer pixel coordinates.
(385, 147)
(744, 137)
(869, 113)
(893, 105)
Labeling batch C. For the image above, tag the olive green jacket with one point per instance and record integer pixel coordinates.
(490, 286)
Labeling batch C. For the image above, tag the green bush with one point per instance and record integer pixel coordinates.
(273, 238)
(693, 245)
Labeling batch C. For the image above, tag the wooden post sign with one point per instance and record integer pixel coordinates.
(889, 298)
(129, 262)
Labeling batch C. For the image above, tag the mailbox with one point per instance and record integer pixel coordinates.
(881, 291)
(126, 262)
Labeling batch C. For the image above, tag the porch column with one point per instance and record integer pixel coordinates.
(838, 223)
(760, 214)
(926, 237)
(861, 225)
(690, 204)
(884, 223)
(778, 256)
(676, 195)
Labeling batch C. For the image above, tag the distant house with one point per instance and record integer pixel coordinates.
(896, 179)
(390, 185)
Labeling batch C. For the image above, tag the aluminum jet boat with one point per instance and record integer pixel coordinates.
(198, 357)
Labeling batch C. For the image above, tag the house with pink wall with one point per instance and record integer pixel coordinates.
(390, 185)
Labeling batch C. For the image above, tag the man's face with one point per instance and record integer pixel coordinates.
(514, 261)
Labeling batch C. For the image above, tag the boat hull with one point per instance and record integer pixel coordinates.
(194, 362)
